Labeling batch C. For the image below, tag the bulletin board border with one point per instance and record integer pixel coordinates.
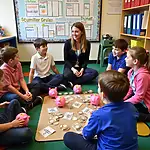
(60, 40)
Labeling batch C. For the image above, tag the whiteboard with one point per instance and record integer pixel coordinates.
(52, 19)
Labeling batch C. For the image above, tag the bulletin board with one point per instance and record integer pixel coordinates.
(52, 19)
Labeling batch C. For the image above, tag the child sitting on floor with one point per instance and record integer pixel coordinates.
(116, 59)
(15, 86)
(12, 131)
(41, 64)
(114, 123)
(139, 75)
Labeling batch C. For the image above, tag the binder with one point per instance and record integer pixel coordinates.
(132, 3)
(125, 23)
(147, 2)
(139, 23)
(125, 3)
(144, 23)
(137, 2)
(142, 2)
(134, 24)
(129, 4)
(130, 23)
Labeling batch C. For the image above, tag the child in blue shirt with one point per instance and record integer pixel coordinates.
(116, 59)
(114, 124)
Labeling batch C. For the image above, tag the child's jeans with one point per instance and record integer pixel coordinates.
(50, 81)
(76, 141)
(13, 136)
(33, 88)
(144, 115)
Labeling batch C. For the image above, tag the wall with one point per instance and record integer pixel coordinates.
(110, 24)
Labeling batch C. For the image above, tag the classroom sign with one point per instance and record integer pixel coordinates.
(52, 19)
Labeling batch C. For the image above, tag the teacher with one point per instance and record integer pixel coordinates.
(76, 57)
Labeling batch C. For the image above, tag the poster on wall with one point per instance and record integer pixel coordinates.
(114, 7)
(52, 19)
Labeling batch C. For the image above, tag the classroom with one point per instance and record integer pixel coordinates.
(58, 107)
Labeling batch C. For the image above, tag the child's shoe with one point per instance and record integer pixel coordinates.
(37, 101)
(61, 87)
(70, 85)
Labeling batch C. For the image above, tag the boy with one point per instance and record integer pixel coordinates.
(15, 86)
(114, 123)
(116, 59)
(41, 64)
(12, 131)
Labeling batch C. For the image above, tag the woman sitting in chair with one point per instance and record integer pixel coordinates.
(76, 56)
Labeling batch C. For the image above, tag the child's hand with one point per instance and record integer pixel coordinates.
(26, 97)
(29, 94)
(80, 73)
(4, 104)
(17, 123)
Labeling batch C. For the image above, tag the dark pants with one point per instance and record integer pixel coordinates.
(144, 115)
(50, 81)
(76, 141)
(33, 88)
(13, 136)
(88, 75)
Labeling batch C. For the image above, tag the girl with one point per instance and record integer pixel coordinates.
(139, 76)
(76, 56)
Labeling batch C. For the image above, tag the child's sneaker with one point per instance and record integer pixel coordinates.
(61, 87)
(70, 85)
(23, 110)
(37, 101)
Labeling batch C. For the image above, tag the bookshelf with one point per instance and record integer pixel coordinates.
(136, 10)
(8, 40)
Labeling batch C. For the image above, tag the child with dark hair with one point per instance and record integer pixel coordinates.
(41, 64)
(12, 131)
(15, 86)
(116, 59)
(139, 75)
(114, 124)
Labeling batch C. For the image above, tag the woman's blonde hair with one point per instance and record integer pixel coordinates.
(80, 26)
(141, 55)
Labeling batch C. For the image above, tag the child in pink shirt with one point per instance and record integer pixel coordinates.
(15, 86)
(139, 75)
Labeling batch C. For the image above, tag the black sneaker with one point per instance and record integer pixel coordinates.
(61, 87)
(70, 85)
(23, 110)
(37, 101)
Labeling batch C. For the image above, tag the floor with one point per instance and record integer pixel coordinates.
(59, 145)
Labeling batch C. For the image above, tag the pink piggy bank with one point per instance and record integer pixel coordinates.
(53, 92)
(77, 89)
(23, 116)
(95, 99)
(60, 101)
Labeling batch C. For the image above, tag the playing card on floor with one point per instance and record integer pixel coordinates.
(68, 115)
(77, 104)
(68, 100)
(87, 110)
(47, 131)
(67, 97)
(52, 110)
